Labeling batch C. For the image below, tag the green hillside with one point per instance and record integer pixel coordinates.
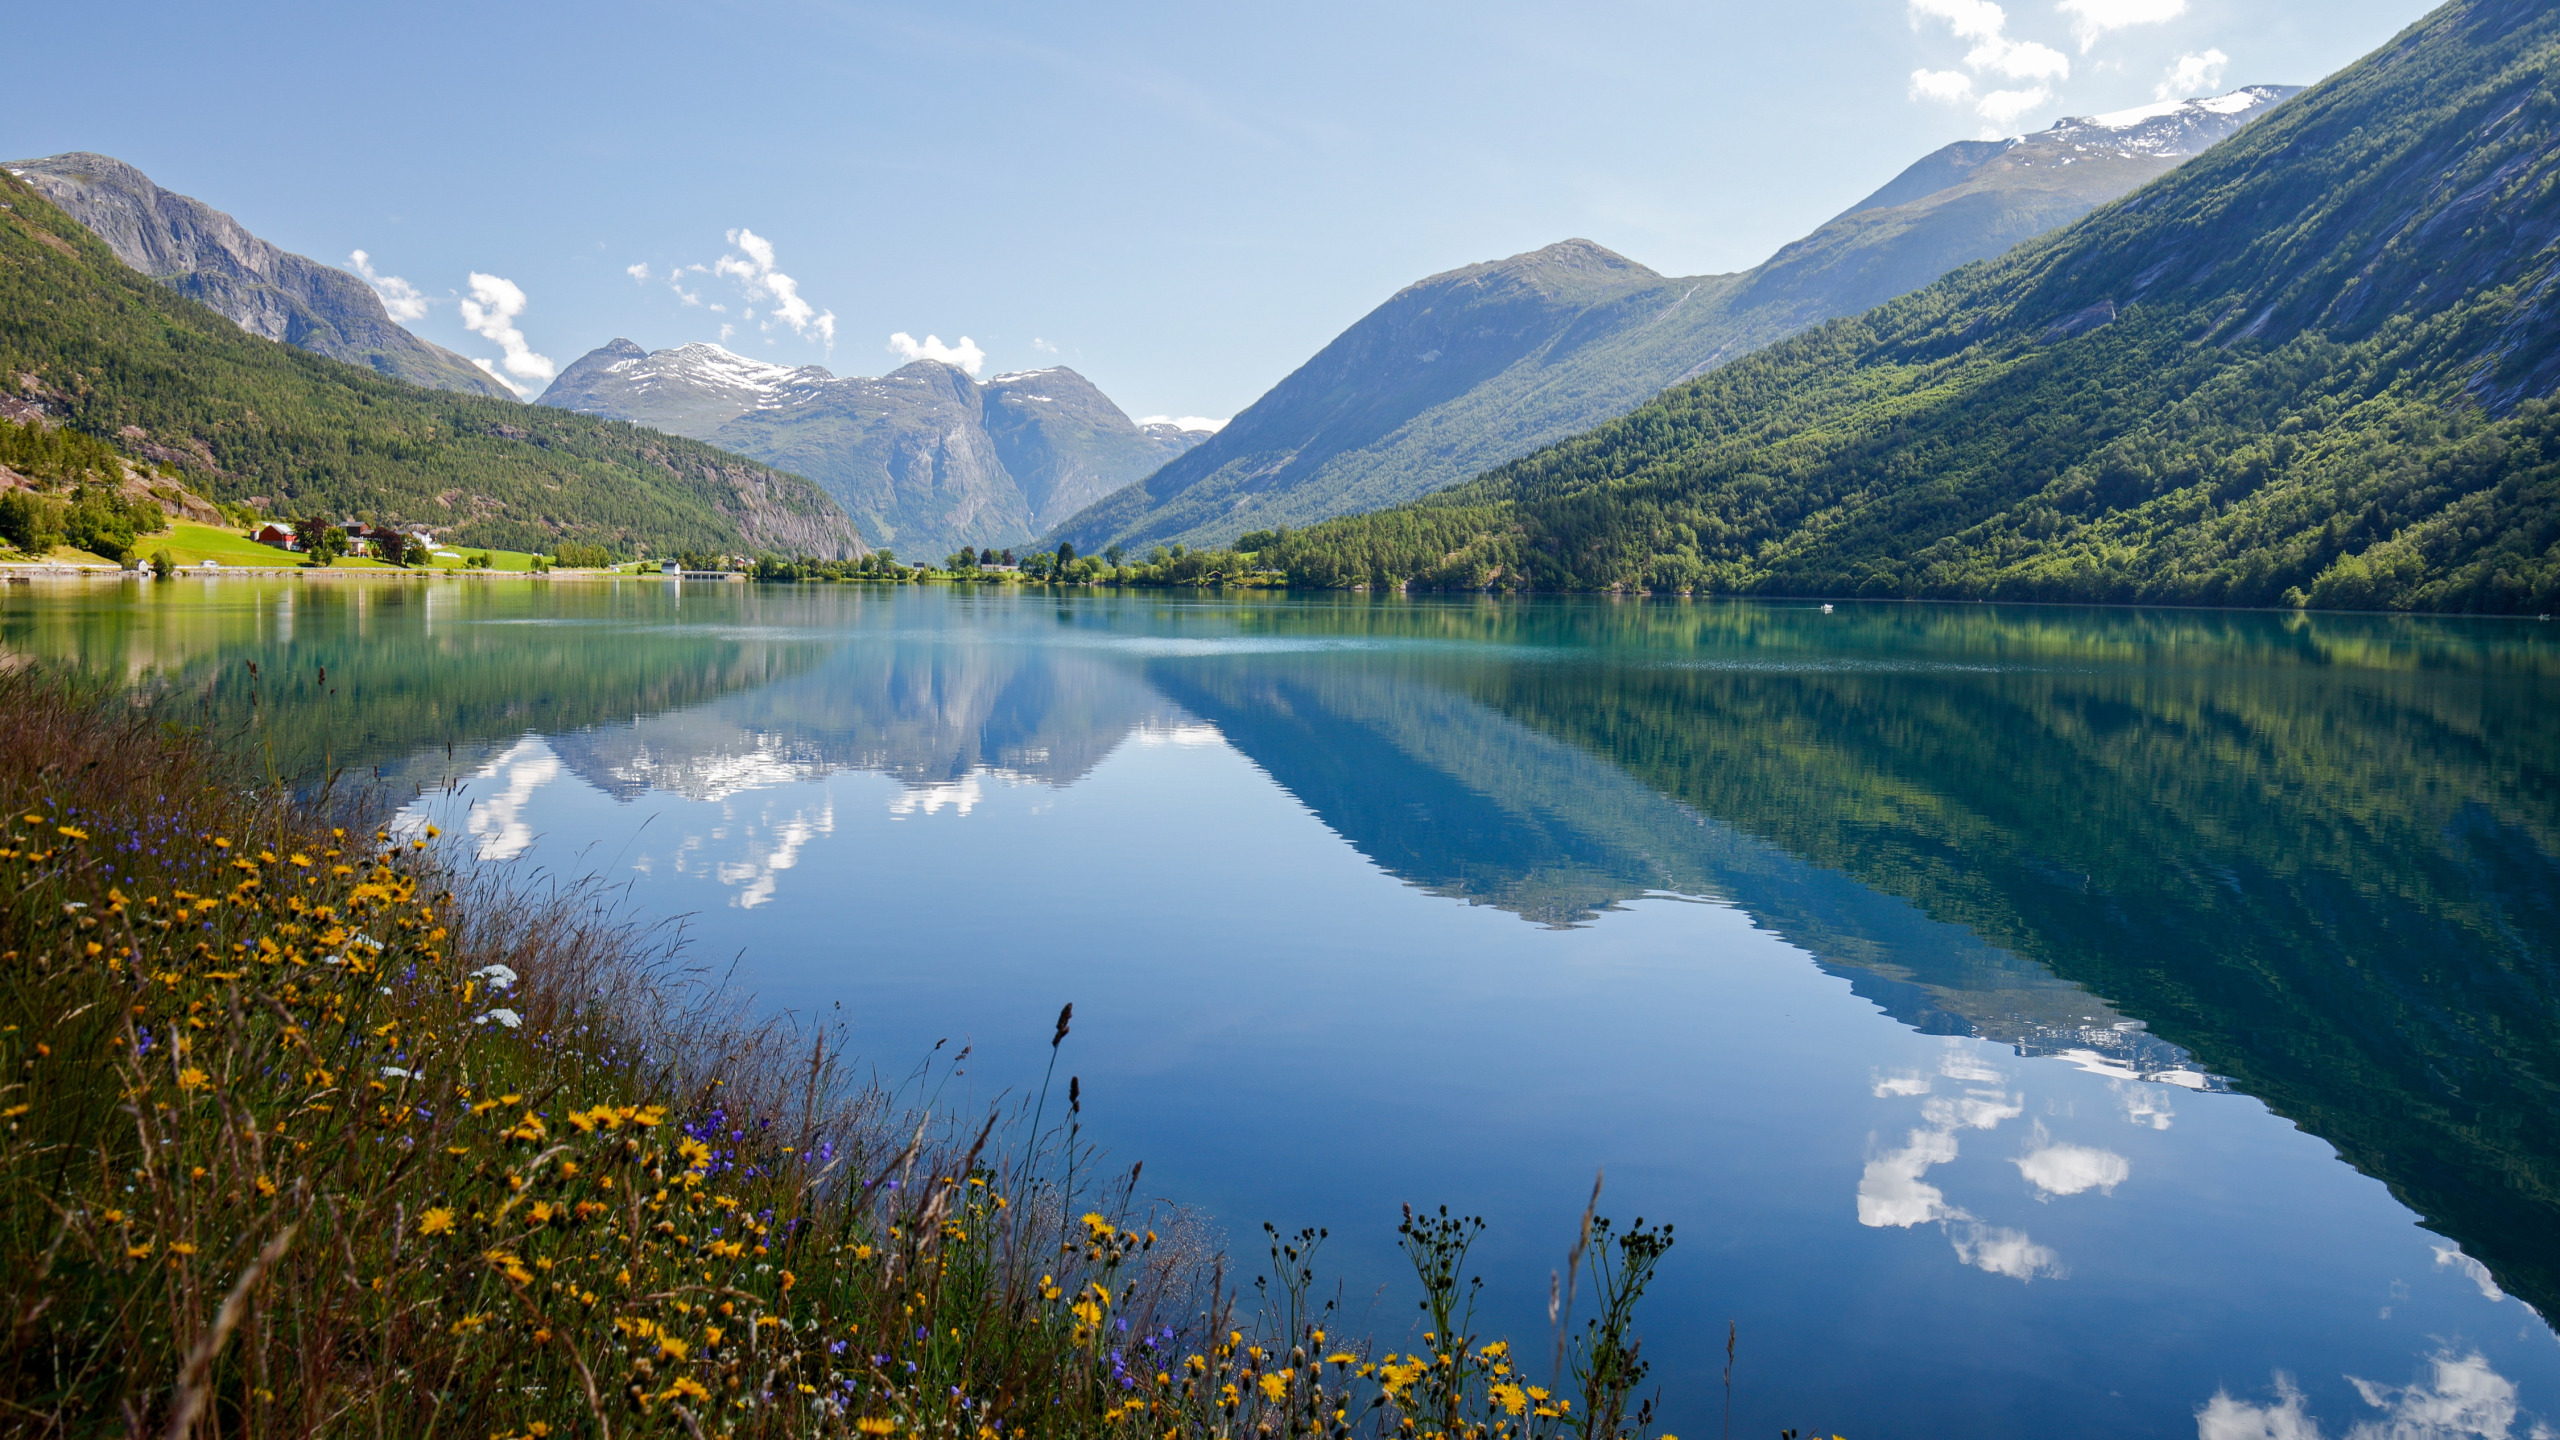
(2311, 365)
(1469, 369)
(102, 348)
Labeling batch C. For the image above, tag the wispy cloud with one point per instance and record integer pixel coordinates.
(399, 297)
(2192, 75)
(490, 312)
(966, 355)
(2092, 19)
(755, 273)
(1043, 346)
(1186, 422)
(1994, 54)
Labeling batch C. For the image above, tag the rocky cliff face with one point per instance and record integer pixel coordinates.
(924, 458)
(204, 254)
(1465, 370)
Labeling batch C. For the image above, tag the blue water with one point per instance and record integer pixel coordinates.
(2033, 1021)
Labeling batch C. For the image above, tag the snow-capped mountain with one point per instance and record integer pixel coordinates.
(2172, 129)
(925, 458)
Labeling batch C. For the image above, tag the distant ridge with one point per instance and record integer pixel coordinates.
(926, 459)
(207, 256)
(1467, 369)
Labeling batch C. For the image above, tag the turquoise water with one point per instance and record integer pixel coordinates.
(2034, 1020)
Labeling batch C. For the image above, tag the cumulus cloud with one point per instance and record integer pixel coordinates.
(755, 272)
(2071, 1169)
(2191, 75)
(2091, 19)
(2460, 1396)
(398, 296)
(2225, 1417)
(1995, 54)
(1902, 1082)
(966, 355)
(1186, 422)
(2007, 1252)
(1978, 1110)
(1892, 1194)
(490, 312)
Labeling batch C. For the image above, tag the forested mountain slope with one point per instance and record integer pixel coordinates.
(2314, 363)
(205, 255)
(89, 342)
(1465, 370)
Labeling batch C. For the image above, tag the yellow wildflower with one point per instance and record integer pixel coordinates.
(192, 1078)
(671, 1348)
(438, 1221)
(73, 833)
(876, 1425)
(1274, 1387)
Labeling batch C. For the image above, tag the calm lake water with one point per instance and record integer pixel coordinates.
(2035, 1021)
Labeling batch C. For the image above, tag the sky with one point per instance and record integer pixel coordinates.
(1183, 202)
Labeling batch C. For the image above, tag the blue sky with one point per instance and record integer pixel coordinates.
(1183, 202)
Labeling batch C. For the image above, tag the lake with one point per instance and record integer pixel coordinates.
(2034, 1020)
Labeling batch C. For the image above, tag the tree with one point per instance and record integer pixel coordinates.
(33, 523)
(1066, 553)
(1112, 555)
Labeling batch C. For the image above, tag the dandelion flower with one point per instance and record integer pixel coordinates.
(438, 1221)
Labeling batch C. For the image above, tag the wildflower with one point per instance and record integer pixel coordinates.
(875, 1425)
(1511, 1398)
(72, 833)
(437, 1221)
(192, 1078)
(671, 1348)
(499, 977)
(1274, 1387)
(508, 1018)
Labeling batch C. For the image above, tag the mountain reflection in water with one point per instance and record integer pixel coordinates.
(2307, 858)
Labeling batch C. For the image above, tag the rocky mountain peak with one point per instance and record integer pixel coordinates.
(213, 259)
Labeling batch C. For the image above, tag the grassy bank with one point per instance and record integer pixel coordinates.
(304, 1130)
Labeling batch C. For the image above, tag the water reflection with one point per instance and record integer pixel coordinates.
(2310, 861)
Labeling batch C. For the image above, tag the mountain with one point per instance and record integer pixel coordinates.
(89, 343)
(925, 458)
(2313, 365)
(1465, 370)
(207, 256)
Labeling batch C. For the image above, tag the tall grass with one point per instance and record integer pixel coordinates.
(309, 1132)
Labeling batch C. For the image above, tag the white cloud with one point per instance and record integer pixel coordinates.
(1960, 1064)
(1970, 19)
(2226, 1418)
(398, 296)
(498, 822)
(491, 313)
(2019, 59)
(1901, 1082)
(2003, 107)
(1043, 346)
(1891, 1194)
(637, 272)
(2091, 19)
(966, 355)
(2144, 1105)
(755, 273)
(2191, 75)
(2471, 1270)
(2459, 1397)
(2071, 1169)
(1994, 54)
(1182, 422)
(2006, 1252)
(1978, 1110)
